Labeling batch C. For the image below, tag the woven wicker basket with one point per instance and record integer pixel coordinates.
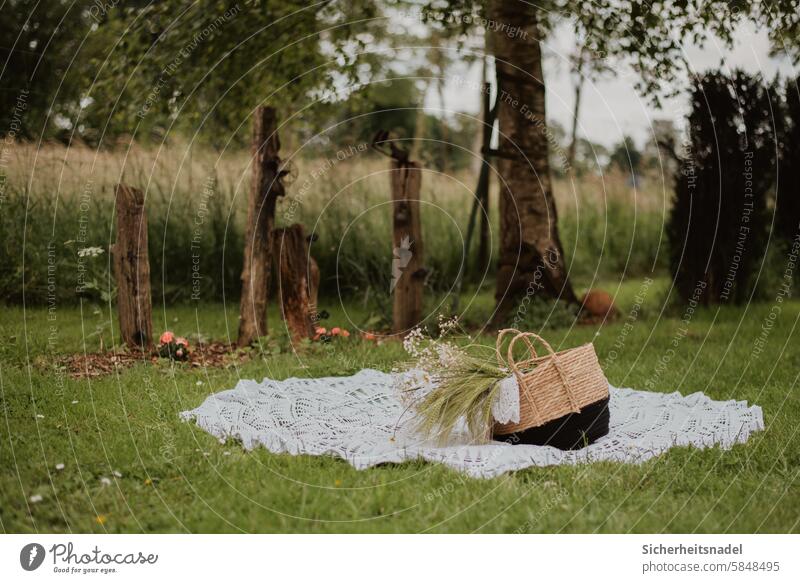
(552, 385)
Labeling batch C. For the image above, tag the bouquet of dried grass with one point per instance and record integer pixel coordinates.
(465, 389)
(466, 381)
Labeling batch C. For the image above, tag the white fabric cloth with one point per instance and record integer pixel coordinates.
(363, 420)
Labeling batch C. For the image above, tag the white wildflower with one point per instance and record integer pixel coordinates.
(39, 416)
(413, 341)
(90, 252)
(105, 481)
(116, 474)
(36, 498)
(447, 325)
(59, 467)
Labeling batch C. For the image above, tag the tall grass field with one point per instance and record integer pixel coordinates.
(57, 201)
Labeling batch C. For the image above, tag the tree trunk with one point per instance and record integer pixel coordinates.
(477, 140)
(294, 281)
(266, 186)
(483, 235)
(132, 269)
(482, 191)
(408, 273)
(573, 143)
(531, 256)
(444, 142)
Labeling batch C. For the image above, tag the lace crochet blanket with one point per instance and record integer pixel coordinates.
(362, 419)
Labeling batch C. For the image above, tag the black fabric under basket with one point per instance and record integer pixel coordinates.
(572, 431)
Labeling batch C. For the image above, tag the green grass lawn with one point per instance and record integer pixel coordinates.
(130, 464)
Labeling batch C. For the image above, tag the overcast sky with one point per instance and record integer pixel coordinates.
(612, 108)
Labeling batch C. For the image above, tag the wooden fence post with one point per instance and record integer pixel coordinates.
(265, 188)
(132, 269)
(408, 273)
(294, 279)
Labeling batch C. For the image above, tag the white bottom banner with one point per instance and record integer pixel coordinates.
(401, 558)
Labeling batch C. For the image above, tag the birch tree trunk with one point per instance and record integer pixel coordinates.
(531, 255)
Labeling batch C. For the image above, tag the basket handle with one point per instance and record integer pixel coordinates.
(499, 344)
(525, 337)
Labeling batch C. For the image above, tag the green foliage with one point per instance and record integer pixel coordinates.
(535, 313)
(627, 157)
(149, 69)
(719, 225)
(388, 105)
(276, 342)
(395, 105)
(38, 84)
(204, 66)
(787, 191)
(650, 36)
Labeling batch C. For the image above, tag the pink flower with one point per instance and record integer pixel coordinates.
(368, 336)
(345, 333)
(179, 352)
(335, 331)
(320, 331)
(182, 341)
(166, 337)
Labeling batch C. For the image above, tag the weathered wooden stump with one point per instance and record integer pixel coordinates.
(132, 269)
(294, 280)
(266, 186)
(313, 284)
(408, 273)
